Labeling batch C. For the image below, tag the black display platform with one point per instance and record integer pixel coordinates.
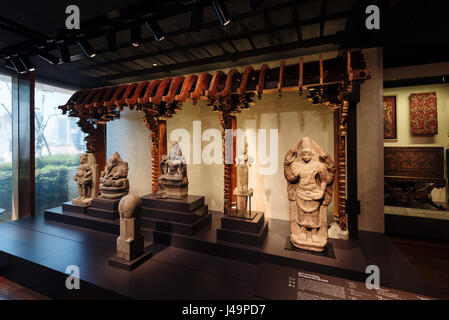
(349, 261)
(250, 232)
(131, 265)
(34, 248)
(185, 216)
(76, 208)
(104, 208)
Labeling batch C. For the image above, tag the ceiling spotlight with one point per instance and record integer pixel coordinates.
(136, 35)
(256, 4)
(10, 65)
(196, 17)
(18, 65)
(221, 12)
(87, 48)
(27, 63)
(154, 64)
(155, 29)
(49, 57)
(64, 53)
(111, 40)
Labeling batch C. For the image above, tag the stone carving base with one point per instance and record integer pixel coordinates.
(75, 208)
(82, 202)
(308, 240)
(116, 262)
(173, 189)
(104, 208)
(335, 232)
(242, 230)
(328, 250)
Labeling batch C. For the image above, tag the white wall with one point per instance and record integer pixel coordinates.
(130, 138)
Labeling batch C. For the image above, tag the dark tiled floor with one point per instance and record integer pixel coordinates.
(430, 258)
(12, 291)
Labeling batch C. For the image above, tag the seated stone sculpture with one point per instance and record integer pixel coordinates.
(309, 171)
(173, 182)
(86, 177)
(114, 183)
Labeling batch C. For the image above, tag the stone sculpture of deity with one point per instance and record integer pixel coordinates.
(86, 177)
(173, 182)
(242, 192)
(309, 171)
(114, 181)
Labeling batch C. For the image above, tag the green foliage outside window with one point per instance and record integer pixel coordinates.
(52, 180)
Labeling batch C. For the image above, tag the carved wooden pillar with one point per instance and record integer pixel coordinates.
(234, 154)
(226, 123)
(342, 132)
(152, 124)
(162, 137)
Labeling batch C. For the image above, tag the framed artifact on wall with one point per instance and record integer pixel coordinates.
(423, 114)
(390, 127)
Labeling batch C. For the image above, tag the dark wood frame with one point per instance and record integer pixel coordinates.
(394, 116)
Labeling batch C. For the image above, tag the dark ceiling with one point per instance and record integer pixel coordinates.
(411, 32)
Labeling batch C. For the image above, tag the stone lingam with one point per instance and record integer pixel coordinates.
(86, 177)
(173, 182)
(114, 182)
(309, 171)
(130, 243)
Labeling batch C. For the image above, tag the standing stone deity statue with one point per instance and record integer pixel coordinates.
(242, 192)
(86, 177)
(114, 181)
(309, 171)
(173, 182)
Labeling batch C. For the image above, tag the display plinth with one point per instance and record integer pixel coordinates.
(104, 208)
(75, 208)
(182, 216)
(130, 265)
(245, 231)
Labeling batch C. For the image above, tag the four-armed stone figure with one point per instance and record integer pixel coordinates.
(86, 177)
(173, 182)
(309, 171)
(114, 183)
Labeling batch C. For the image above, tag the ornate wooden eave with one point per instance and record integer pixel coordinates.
(323, 82)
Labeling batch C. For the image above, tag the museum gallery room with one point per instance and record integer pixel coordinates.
(224, 150)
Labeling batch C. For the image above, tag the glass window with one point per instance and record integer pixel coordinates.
(59, 143)
(6, 180)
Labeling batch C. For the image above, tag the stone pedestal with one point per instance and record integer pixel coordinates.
(74, 208)
(130, 242)
(184, 216)
(174, 189)
(247, 230)
(104, 208)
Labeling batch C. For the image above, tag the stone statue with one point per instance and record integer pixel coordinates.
(173, 182)
(309, 171)
(130, 243)
(86, 177)
(114, 183)
(241, 191)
